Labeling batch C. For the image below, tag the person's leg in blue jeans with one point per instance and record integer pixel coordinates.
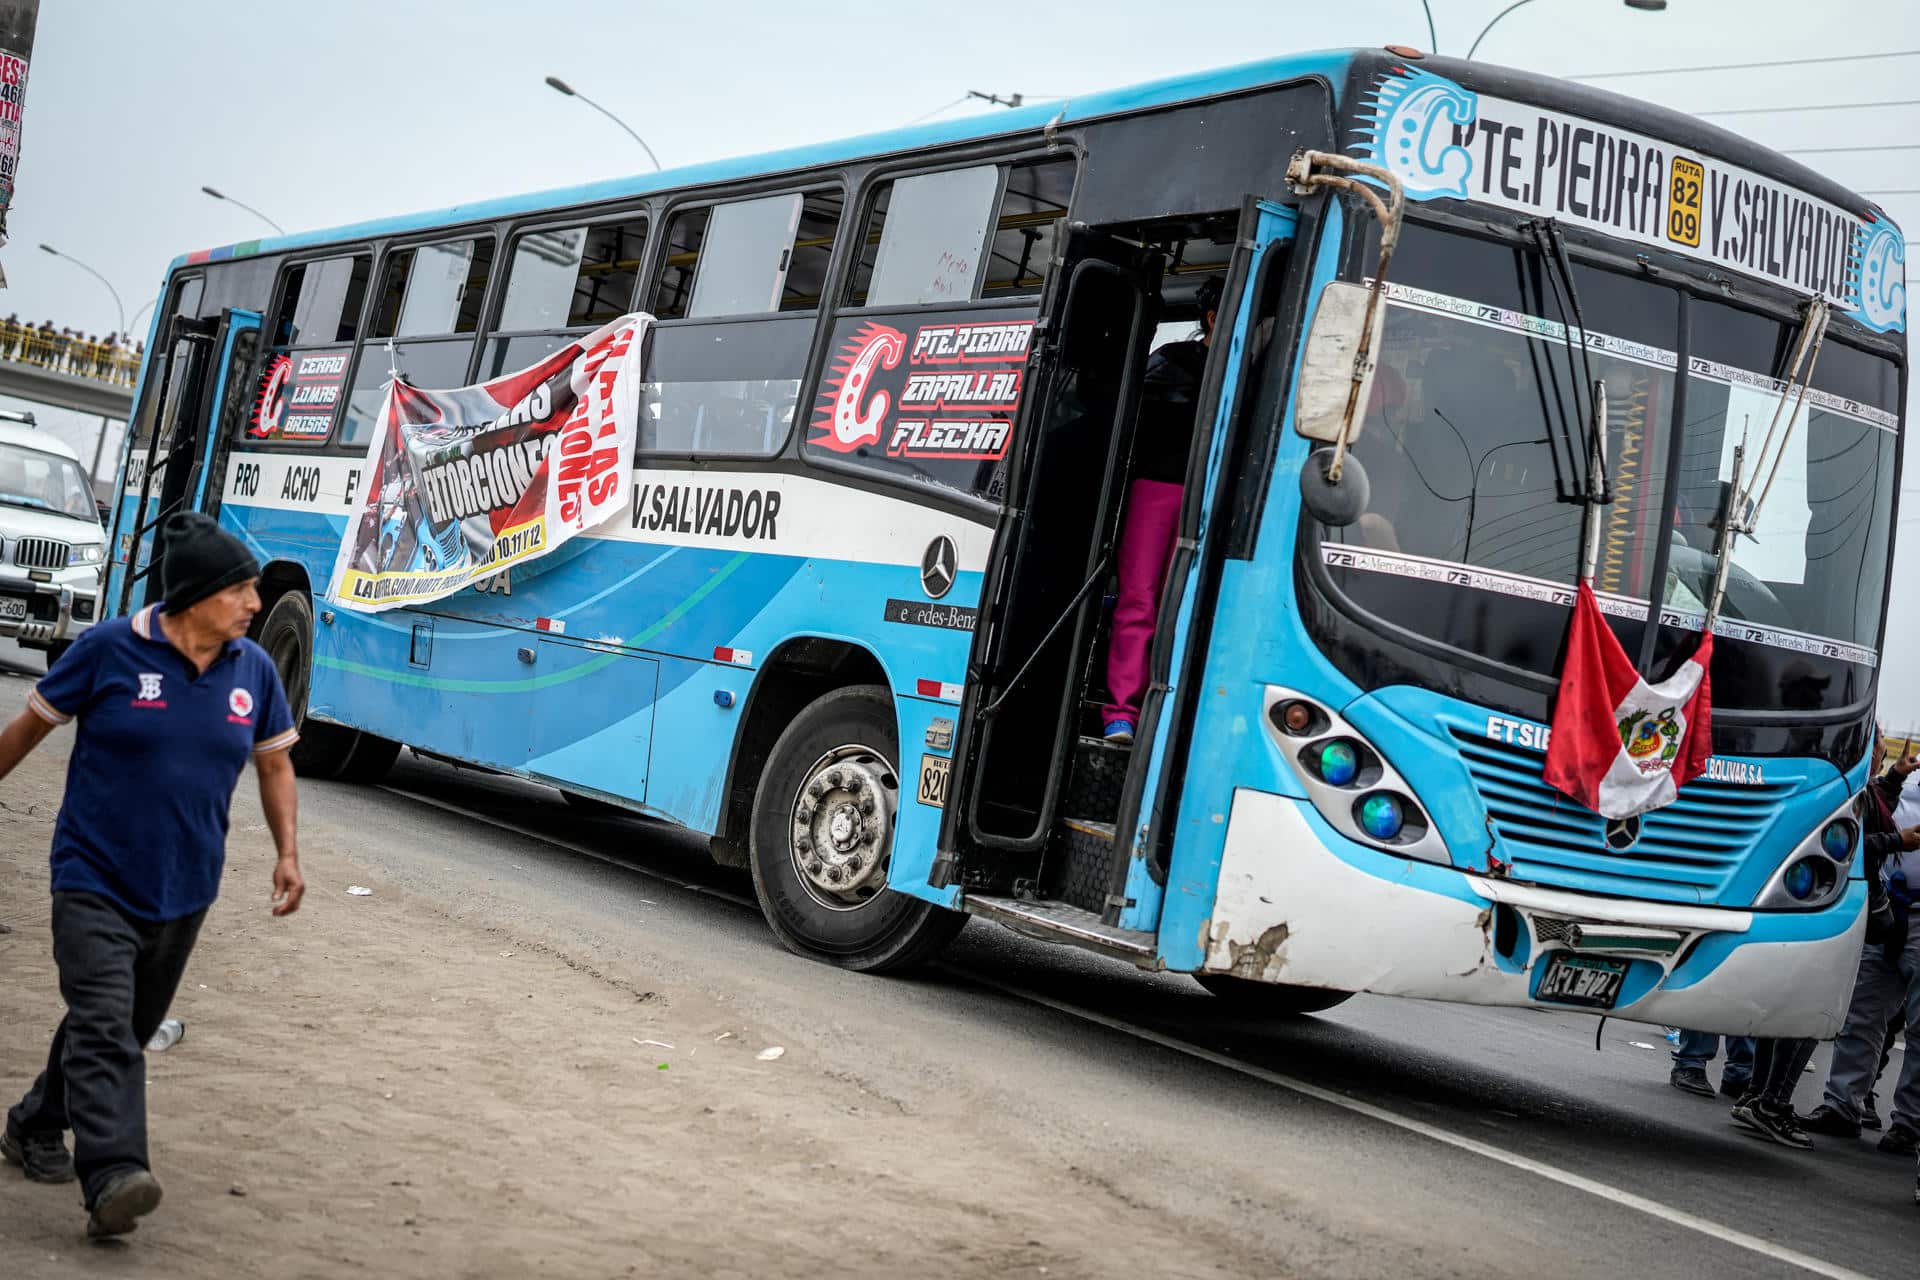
(1690, 1059)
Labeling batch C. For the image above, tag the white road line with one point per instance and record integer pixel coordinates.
(570, 846)
(1593, 1187)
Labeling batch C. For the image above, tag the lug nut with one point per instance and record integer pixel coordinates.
(838, 778)
(834, 874)
(866, 803)
(804, 844)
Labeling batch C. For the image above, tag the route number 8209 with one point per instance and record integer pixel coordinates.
(1684, 191)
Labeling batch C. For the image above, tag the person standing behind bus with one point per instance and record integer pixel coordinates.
(171, 703)
(1889, 977)
(1169, 400)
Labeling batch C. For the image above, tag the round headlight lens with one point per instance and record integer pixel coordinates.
(1339, 762)
(1801, 881)
(1836, 841)
(1381, 816)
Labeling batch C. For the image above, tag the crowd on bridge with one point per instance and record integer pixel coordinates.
(114, 357)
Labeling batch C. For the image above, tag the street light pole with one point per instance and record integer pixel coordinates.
(219, 195)
(118, 306)
(1646, 6)
(561, 86)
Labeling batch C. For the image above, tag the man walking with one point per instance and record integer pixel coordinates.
(171, 703)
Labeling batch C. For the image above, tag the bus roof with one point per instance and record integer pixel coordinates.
(1332, 66)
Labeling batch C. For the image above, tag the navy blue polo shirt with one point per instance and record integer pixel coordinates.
(158, 752)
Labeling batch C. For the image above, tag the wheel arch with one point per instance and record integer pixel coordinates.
(277, 577)
(799, 670)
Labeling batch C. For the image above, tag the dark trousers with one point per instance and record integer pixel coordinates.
(117, 975)
(1777, 1067)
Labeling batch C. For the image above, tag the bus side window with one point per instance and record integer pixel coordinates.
(563, 282)
(760, 265)
(311, 338)
(428, 292)
(685, 235)
(1026, 231)
(975, 244)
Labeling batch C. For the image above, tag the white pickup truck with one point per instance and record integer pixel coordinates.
(51, 543)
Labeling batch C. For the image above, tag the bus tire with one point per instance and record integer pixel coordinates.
(324, 750)
(1272, 999)
(822, 836)
(369, 759)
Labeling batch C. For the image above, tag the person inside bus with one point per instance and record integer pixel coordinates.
(1169, 401)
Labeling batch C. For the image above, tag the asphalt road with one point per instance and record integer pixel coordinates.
(1385, 1137)
(1428, 1139)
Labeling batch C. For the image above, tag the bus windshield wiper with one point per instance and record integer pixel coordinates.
(1741, 515)
(1596, 491)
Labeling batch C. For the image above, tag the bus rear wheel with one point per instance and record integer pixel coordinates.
(822, 840)
(324, 750)
(1273, 999)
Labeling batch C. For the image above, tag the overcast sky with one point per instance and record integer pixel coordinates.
(321, 114)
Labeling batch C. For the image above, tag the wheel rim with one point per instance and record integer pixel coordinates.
(840, 827)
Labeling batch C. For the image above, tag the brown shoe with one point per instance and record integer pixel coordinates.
(125, 1199)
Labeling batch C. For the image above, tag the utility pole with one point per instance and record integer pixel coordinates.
(18, 18)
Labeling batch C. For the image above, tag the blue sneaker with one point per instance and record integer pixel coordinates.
(1119, 732)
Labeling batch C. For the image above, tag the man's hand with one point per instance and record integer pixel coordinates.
(1910, 839)
(289, 887)
(1906, 764)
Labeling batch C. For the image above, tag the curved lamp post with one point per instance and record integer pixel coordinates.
(218, 195)
(117, 305)
(558, 85)
(1648, 6)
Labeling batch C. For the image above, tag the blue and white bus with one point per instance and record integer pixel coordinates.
(853, 621)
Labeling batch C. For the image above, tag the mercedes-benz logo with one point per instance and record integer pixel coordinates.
(1622, 832)
(937, 567)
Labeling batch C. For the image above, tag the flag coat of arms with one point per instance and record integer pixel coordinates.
(1622, 746)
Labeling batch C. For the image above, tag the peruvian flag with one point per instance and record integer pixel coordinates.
(1621, 746)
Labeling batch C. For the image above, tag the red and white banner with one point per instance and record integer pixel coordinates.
(1621, 746)
(465, 482)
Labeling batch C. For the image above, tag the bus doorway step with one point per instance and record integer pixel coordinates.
(1098, 775)
(1064, 922)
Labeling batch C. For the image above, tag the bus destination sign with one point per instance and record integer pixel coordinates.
(1444, 141)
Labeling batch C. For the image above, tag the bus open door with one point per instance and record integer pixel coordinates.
(206, 385)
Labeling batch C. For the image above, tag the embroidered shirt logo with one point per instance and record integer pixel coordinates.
(240, 702)
(149, 695)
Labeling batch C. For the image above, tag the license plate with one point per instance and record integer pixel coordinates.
(934, 771)
(1581, 980)
(13, 609)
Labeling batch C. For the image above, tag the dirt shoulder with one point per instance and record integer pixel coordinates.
(374, 1087)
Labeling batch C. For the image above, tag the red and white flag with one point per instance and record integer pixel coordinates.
(1621, 746)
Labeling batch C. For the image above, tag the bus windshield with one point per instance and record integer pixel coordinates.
(1472, 448)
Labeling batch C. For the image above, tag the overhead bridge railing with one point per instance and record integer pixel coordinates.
(110, 362)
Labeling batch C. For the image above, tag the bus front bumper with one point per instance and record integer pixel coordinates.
(1299, 904)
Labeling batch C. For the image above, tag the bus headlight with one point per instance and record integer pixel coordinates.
(1338, 762)
(1381, 816)
(1815, 873)
(1348, 781)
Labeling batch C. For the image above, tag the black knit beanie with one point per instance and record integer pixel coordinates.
(200, 558)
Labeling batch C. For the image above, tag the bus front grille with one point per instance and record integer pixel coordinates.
(1686, 852)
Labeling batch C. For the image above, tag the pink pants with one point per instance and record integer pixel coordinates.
(1146, 546)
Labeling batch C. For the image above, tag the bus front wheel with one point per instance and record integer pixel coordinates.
(1274, 999)
(822, 840)
(324, 750)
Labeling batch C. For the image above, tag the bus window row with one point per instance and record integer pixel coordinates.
(737, 293)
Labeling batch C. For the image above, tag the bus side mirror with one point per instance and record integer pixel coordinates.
(1328, 389)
